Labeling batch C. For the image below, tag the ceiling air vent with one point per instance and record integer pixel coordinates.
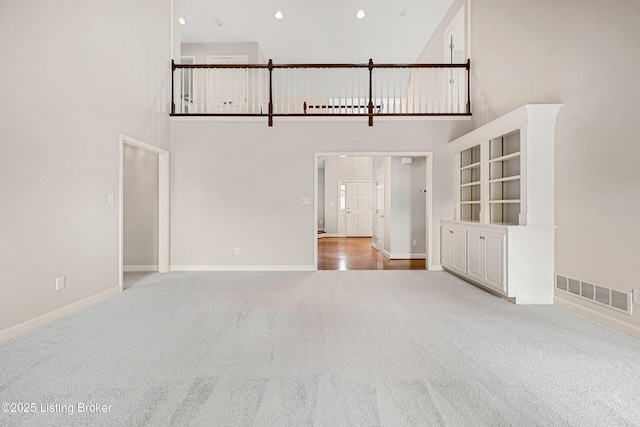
(600, 295)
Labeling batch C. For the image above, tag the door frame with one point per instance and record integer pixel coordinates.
(163, 203)
(429, 230)
(374, 242)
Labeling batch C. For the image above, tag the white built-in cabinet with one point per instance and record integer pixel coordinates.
(502, 235)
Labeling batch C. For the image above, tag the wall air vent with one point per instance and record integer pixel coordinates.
(561, 282)
(600, 295)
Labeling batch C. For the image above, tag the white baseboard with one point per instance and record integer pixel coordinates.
(389, 255)
(243, 267)
(596, 316)
(408, 256)
(36, 322)
(435, 267)
(141, 268)
(321, 236)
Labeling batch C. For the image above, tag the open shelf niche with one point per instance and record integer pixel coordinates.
(504, 179)
(470, 184)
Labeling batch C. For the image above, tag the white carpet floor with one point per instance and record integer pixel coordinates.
(328, 348)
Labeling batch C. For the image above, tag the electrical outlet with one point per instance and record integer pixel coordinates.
(636, 296)
(59, 283)
(414, 243)
(236, 251)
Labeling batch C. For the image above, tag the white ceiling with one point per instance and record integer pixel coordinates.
(318, 31)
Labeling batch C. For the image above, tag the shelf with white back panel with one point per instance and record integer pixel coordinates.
(470, 183)
(504, 179)
(502, 235)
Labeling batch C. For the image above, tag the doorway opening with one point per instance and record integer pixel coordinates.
(373, 211)
(144, 209)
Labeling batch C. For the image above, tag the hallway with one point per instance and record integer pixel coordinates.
(356, 253)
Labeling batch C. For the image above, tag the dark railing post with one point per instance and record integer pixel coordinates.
(173, 101)
(370, 92)
(468, 86)
(270, 92)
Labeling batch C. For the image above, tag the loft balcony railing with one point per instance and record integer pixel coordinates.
(310, 90)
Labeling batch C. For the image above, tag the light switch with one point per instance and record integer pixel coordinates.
(305, 201)
(111, 199)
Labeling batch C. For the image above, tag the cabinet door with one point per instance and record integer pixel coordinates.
(475, 255)
(495, 253)
(446, 254)
(460, 250)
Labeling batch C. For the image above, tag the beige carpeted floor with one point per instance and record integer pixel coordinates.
(328, 348)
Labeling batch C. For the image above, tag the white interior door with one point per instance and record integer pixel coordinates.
(358, 209)
(456, 53)
(379, 239)
(227, 87)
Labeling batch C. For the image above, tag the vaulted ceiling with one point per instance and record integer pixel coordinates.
(392, 31)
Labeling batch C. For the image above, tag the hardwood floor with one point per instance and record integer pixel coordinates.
(356, 253)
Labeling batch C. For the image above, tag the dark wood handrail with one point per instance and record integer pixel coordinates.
(266, 66)
(371, 66)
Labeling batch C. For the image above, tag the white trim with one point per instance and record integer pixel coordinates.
(163, 203)
(32, 324)
(406, 256)
(139, 268)
(324, 235)
(430, 231)
(519, 118)
(243, 268)
(596, 316)
(385, 254)
(436, 267)
(209, 58)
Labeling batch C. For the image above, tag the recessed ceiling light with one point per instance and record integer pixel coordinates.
(360, 14)
(278, 15)
(182, 21)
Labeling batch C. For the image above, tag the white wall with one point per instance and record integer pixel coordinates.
(584, 54)
(405, 213)
(70, 85)
(407, 208)
(140, 203)
(338, 169)
(239, 184)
